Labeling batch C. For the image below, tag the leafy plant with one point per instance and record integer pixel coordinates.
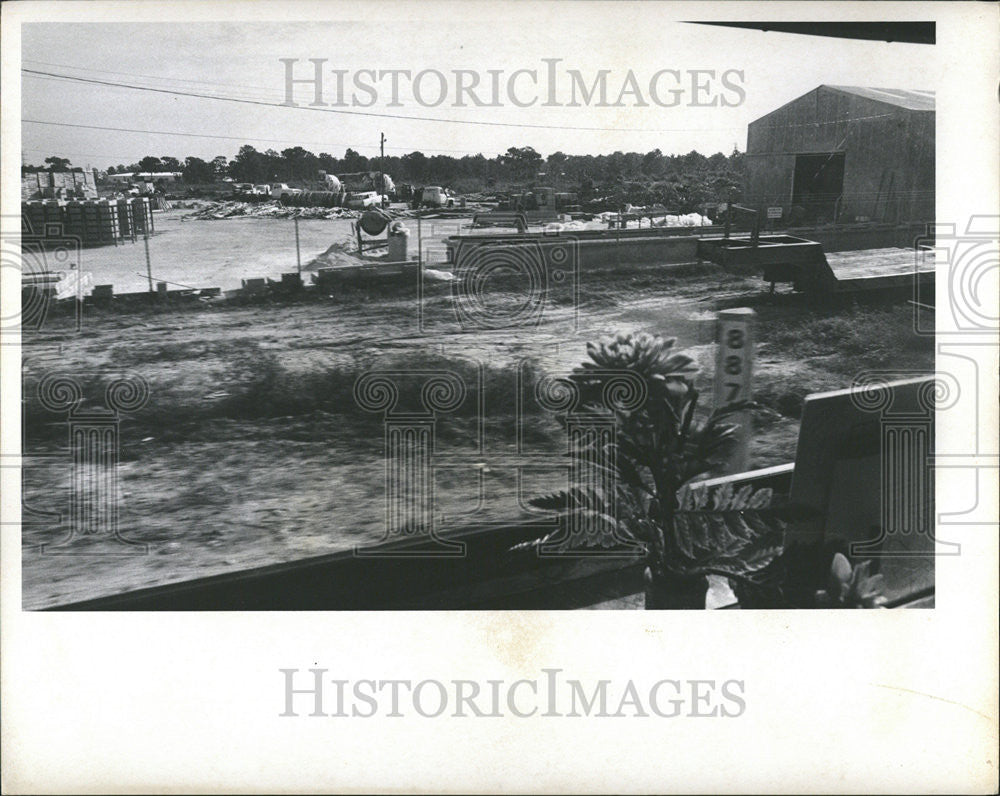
(641, 487)
(791, 580)
(851, 587)
(640, 493)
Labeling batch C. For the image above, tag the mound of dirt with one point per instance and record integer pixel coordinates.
(339, 253)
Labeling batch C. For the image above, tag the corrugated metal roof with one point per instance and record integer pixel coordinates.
(902, 98)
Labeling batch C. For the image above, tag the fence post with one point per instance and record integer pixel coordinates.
(734, 376)
(298, 252)
(149, 265)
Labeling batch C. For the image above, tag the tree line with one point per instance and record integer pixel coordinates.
(682, 181)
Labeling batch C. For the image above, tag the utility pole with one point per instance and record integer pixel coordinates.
(381, 172)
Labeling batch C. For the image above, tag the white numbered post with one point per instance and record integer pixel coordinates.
(734, 376)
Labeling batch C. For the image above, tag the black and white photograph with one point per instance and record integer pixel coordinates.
(524, 345)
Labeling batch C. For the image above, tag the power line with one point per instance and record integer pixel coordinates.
(178, 92)
(136, 74)
(243, 91)
(264, 102)
(258, 96)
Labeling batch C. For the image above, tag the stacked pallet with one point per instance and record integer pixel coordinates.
(89, 223)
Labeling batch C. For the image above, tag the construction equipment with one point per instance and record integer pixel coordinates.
(330, 182)
(280, 190)
(373, 222)
(541, 204)
(433, 196)
(755, 231)
(362, 199)
(500, 218)
(778, 258)
(364, 181)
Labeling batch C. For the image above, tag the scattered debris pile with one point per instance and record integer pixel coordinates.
(232, 209)
(658, 216)
(685, 220)
(276, 209)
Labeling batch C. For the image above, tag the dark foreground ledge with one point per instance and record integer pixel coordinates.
(402, 576)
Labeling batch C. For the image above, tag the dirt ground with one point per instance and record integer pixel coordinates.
(214, 480)
(185, 251)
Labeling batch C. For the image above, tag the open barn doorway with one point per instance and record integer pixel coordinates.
(818, 185)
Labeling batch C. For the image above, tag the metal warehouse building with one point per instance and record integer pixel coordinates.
(845, 154)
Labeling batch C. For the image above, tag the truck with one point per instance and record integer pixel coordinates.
(359, 200)
(142, 189)
(280, 190)
(433, 196)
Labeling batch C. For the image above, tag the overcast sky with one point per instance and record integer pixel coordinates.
(241, 60)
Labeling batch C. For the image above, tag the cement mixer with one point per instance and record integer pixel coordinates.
(363, 181)
(388, 187)
(331, 182)
(374, 221)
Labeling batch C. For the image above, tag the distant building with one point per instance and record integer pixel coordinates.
(145, 176)
(844, 153)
